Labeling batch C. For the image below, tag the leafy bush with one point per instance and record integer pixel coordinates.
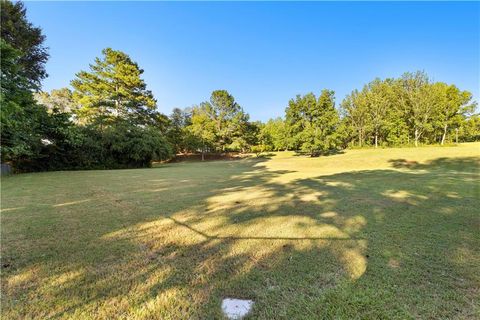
(67, 146)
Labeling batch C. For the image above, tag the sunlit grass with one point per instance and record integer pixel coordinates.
(389, 233)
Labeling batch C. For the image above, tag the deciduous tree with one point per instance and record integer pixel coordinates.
(27, 39)
(313, 122)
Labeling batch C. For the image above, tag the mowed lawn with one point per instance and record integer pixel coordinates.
(366, 234)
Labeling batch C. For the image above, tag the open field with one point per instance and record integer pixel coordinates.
(390, 233)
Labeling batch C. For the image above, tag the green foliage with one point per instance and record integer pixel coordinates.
(452, 106)
(68, 146)
(28, 40)
(24, 125)
(202, 129)
(408, 110)
(259, 149)
(177, 134)
(133, 146)
(110, 119)
(229, 121)
(253, 133)
(20, 130)
(221, 124)
(355, 116)
(55, 134)
(470, 129)
(21, 120)
(113, 89)
(58, 100)
(312, 123)
(274, 134)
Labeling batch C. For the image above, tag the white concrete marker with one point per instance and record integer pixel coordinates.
(236, 308)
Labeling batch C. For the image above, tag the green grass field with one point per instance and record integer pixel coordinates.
(367, 234)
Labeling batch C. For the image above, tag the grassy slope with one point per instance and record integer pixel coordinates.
(391, 233)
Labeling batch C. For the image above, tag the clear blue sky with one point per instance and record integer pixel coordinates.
(264, 53)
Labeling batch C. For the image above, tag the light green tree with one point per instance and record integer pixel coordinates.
(417, 98)
(203, 128)
(355, 112)
(470, 128)
(274, 134)
(313, 122)
(453, 105)
(57, 100)
(378, 95)
(225, 120)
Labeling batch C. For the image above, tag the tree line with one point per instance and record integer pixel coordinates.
(410, 110)
(109, 119)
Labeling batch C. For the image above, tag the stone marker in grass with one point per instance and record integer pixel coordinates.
(236, 308)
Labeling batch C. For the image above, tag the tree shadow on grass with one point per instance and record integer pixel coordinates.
(400, 243)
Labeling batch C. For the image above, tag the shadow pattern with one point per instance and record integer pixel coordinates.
(395, 243)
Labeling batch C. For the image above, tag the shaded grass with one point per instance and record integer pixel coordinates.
(391, 233)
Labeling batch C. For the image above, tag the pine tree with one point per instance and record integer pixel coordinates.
(112, 90)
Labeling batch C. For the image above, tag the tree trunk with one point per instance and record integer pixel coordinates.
(444, 134)
(376, 140)
(203, 152)
(416, 137)
(456, 135)
(360, 138)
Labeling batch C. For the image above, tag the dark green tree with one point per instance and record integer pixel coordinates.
(20, 118)
(28, 40)
(179, 120)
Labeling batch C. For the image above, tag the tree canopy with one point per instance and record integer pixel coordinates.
(27, 39)
(109, 119)
(410, 109)
(312, 123)
(113, 89)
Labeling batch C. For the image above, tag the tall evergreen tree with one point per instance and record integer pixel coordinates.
(229, 118)
(114, 89)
